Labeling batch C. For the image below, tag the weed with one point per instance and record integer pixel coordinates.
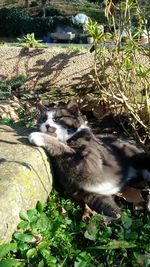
(5, 121)
(30, 41)
(7, 86)
(48, 236)
(28, 116)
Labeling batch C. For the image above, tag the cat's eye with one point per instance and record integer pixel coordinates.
(56, 119)
(44, 118)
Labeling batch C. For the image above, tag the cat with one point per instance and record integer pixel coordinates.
(93, 169)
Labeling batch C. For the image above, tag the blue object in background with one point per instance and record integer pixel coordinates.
(47, 39)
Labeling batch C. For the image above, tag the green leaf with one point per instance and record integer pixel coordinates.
(23, 215)
(141, 71)
(81, 263)
(6, 248)
(41, 264)
(51, 260)
(32, 215)
(23, 247)
(40, 207)
(91, 232)
(126, 220)
(23, 225)
(31, 253)
(115, 244)
(24, 237)
(90, 236)
(127, 63)
(83, 260)
(43, 245)
(11, 263)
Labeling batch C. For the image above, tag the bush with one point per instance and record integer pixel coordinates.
(15, 22)
(122, 73)
(33, 3)
(10, 21)
(40, 26)
(7, 86)
(62, 20)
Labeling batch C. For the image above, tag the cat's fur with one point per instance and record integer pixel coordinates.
(95, 169)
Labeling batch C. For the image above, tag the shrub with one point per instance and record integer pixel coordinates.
(15, 22)
(40, 26)
(7, 86)
(33, 3)
(62, 20)
(11, 20)
(120, 75)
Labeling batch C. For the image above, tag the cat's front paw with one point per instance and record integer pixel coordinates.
(36, 138)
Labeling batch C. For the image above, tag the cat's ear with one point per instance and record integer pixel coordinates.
(72, 105)
(41, 108)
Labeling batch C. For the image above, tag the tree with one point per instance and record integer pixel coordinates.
(44, 3)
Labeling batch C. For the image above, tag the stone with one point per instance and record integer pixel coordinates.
(25, 178)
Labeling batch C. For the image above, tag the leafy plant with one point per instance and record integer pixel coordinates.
(33, 3)
(11, 21)
(15, 22)
(96, 31)
(121, 80)
(53, 235)
(30, 41)
(7, 86)
(27, 116)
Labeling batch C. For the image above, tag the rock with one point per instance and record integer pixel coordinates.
(25, 178)
(8, 109)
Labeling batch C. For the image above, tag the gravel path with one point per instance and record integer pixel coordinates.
(54, 67)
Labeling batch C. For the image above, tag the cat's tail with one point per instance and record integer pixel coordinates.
(141, 163)
(100, 203)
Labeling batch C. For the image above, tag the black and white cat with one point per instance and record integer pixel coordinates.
(92, 168)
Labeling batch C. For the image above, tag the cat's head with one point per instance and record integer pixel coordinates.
(62, 121)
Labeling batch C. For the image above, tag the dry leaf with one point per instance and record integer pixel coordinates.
(110, 9)
(131, 194)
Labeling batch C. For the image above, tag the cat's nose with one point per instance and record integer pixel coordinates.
(50, 129)
(47, 126)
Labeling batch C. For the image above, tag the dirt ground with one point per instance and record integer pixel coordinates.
(55, 67)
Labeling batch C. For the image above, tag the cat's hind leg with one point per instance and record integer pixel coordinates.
(88, 213)
(99, 203)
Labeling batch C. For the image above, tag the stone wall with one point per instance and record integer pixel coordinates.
(25, 177)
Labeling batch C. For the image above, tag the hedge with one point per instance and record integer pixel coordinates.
(15, 22)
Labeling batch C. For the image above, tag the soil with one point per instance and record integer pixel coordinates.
(54, 67)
